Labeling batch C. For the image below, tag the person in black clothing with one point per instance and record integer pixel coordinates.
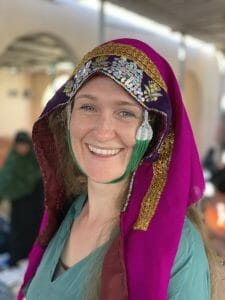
(214, 159)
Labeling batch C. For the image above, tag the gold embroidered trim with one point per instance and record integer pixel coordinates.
(152, 197)
(130, 52)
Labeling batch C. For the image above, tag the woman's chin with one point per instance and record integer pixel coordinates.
(104, 179)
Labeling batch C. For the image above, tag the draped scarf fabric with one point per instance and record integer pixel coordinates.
(138, 264)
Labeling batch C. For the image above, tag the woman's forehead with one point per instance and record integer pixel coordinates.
(100, 80)
(100, 86)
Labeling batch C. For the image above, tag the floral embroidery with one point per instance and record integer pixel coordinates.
(82, 73)
(152, 91)
(100, 62)
(124, 71)
(69, 87)
(73, 84)
(131, 53)
(128, 73)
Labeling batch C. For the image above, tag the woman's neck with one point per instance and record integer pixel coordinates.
(104, 200)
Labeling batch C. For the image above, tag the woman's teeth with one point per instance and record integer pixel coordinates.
(103, 151)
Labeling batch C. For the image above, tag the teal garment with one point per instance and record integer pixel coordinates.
(71, 285)
(189, 276)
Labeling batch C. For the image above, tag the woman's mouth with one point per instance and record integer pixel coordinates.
(103, 151)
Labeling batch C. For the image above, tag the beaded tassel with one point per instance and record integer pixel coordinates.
(143, 137)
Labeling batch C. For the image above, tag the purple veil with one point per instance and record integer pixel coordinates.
(152, 253)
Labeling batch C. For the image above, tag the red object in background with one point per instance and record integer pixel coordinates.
(214, 214)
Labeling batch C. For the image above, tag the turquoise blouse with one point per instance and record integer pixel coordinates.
(189, 277)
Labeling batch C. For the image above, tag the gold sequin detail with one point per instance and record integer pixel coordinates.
(152, 197)
(130, 52)
(152, 91)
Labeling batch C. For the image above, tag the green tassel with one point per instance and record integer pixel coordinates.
(143, 137)
(137, 155)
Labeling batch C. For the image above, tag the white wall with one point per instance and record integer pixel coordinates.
(15, 112)
(73, 25)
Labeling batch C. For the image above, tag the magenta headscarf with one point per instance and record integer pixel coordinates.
(167, 181)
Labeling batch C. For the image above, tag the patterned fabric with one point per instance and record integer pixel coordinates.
(126, 72)
(138, 264)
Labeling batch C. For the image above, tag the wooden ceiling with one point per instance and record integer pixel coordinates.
(203, 19)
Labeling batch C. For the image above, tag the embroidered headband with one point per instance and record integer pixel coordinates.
(121, 70)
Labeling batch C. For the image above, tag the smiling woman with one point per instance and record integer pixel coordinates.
(121, 173)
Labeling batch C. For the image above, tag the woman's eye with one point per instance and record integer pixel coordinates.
(87, 107)
(127, 114)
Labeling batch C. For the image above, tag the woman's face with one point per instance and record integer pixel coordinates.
(103, 126)
(22, 148)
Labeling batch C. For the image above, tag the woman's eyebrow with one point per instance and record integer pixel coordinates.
(117, 102)
(130, 103)
(86, 96)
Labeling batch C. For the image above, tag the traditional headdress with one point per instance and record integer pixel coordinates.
(166, 182)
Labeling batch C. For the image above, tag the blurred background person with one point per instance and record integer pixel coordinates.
(214, 159)
(213, 205)
(20, 182)
(214, 214)
(213, 209)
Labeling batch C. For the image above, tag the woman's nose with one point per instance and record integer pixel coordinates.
(104, 127)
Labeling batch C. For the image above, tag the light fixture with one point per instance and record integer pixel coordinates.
(222, 103)
(197, 43)
(182, 51)
(209, 189)
(221, 61)
(61, 1)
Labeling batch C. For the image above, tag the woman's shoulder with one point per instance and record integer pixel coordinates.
(191, 246)
(190, 277)
(191, 239)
